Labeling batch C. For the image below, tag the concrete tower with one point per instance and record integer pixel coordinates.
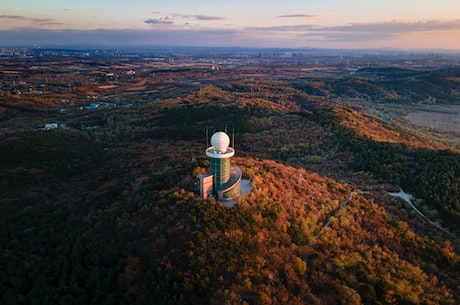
(225, 179)
(220, 154)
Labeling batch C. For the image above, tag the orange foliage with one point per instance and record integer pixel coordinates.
(377, 130)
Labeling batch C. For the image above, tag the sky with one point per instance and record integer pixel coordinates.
(345, 24)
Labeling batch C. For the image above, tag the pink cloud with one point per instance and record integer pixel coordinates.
(317, 17)
(207, 18)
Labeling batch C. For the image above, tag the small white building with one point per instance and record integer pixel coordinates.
(50, 126)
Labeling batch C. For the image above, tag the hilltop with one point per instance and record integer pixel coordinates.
(110, 214)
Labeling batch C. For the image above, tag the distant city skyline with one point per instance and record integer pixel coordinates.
(352, 24)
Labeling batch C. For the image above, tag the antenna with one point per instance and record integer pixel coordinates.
(207, 137)
(225, 128)
(233, 138)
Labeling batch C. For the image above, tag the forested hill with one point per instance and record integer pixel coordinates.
(386, 84)
(111, 215)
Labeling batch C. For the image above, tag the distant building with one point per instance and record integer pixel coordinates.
(224, 181)
(50, 126)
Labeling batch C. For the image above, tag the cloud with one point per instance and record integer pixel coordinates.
(119, 38)
(159, 21)
(375, 31)
(317, 17)
(12, 17)
(207, 18)
(50, 23)
(285, 28)
(346, 37)
(41, 20)
(38, 21)
(395, 27)
(389, 34)
(166, 20)
(170, 19)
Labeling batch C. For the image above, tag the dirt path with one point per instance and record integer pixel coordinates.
(343, 204)
(406, 197)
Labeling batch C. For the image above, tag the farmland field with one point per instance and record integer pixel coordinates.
(445, 118)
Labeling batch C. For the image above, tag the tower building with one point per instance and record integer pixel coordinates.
(224, 181)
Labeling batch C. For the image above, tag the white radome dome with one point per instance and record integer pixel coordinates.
(220, 141)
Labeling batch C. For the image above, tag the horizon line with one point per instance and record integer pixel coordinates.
(143, 47)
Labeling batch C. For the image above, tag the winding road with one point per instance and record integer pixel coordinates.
(406, 197)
